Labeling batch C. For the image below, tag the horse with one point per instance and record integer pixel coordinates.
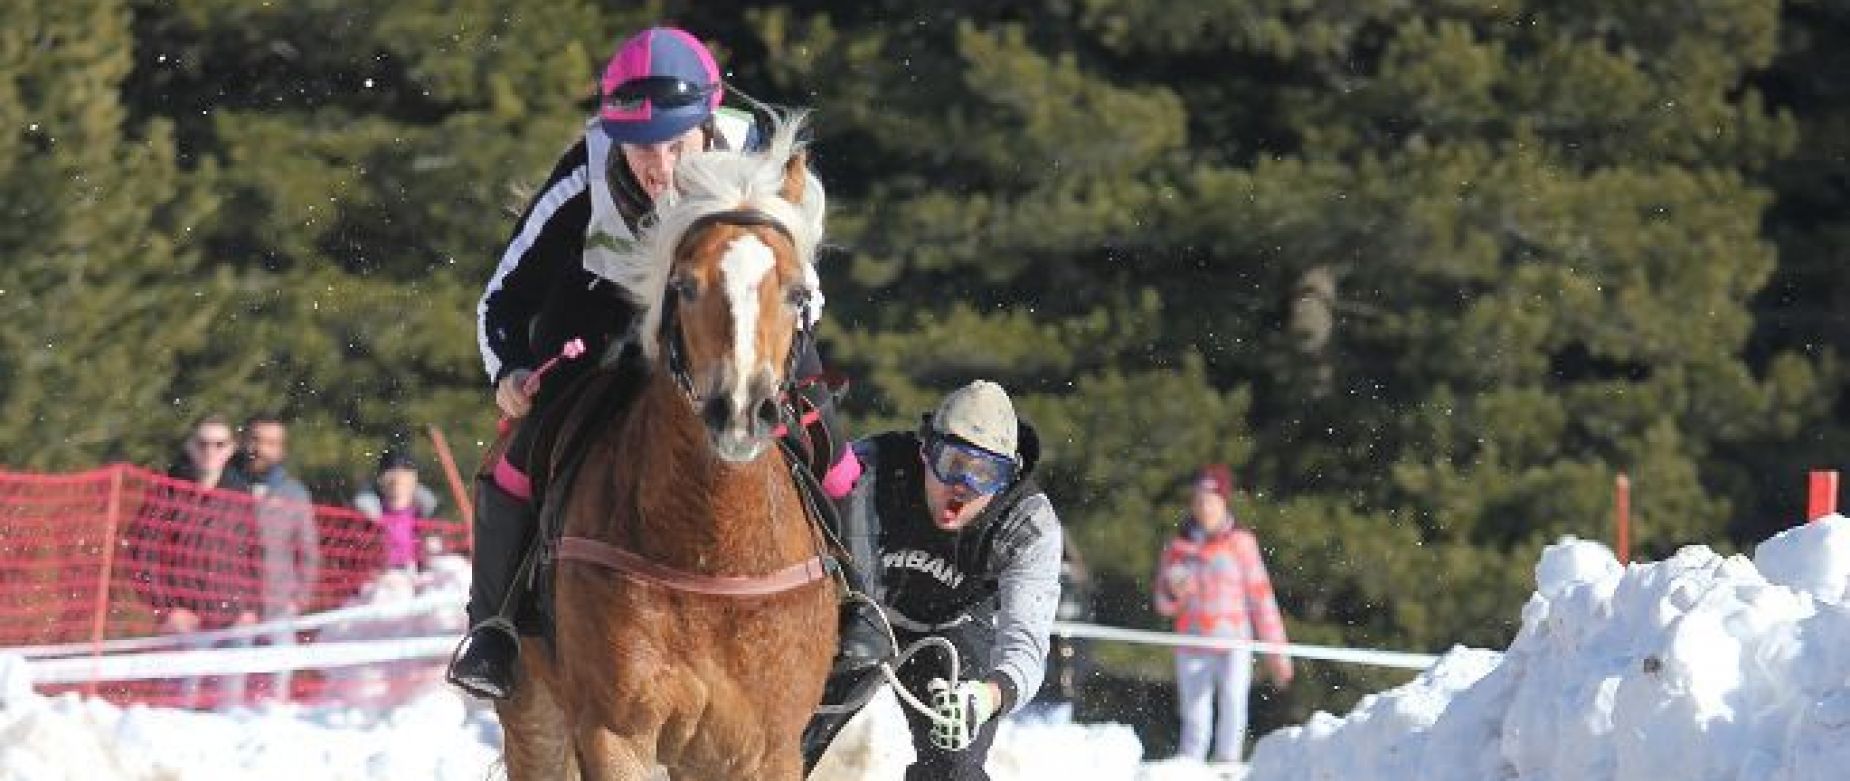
(694, 619)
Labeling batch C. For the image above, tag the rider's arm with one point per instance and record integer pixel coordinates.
(1030, 595)
(548, 238)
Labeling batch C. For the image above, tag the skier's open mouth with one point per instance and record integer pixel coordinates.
(952, 508)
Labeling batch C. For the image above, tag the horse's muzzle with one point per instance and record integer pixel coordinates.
(739, 436)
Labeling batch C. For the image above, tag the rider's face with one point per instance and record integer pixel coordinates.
(653, 164)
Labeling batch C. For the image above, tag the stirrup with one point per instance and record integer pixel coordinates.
(495, 624)
(489, 677)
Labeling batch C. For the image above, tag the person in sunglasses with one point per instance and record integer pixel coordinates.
(966, 547)
(660, 99)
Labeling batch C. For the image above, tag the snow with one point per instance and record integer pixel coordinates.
(1697, 667)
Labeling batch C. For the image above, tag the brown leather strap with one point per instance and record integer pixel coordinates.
(642, 570)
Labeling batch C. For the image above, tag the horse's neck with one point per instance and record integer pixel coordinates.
(676, 501)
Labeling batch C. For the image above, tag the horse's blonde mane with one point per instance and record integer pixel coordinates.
(712, 182)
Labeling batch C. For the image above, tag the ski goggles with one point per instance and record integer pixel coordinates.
(957, 463)
(657, 91)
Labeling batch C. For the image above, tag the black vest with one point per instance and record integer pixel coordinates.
(927, 574)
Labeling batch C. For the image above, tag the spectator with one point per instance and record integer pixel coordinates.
(287, 538)
(1212, 581)
(205, 457)
(193, 549)
(399, 504)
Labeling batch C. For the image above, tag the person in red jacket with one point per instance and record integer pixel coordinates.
(1212, 581)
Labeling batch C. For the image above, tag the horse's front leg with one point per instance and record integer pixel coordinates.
(536, 742)
(785, 766)
(606, 756)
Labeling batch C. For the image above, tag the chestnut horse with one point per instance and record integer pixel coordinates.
(694, 622)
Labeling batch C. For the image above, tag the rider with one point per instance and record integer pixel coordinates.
(966, 547)
(661, 96)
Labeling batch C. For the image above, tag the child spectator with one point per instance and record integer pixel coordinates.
(399, 504)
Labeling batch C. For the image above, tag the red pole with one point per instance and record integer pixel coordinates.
(1622, 516)
(1823, 499)
(101, 616)
(456, 484)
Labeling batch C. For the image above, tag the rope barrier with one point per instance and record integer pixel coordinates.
(390, 611)
(1400, 659)
(234, 661)
(129, 659)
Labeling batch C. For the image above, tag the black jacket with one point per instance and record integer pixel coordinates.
(541, 295)
(991, 587)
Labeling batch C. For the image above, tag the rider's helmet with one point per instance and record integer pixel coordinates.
(661, 82)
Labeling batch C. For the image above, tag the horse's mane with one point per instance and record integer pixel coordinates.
(712, 182)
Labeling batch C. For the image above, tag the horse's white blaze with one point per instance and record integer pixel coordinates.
(745, 265)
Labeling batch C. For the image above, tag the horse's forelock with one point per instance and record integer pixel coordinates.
(713, 182)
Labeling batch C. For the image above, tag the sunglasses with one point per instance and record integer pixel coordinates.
(959, 463)
(657, 91)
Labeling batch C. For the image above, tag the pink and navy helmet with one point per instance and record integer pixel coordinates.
(661, 82)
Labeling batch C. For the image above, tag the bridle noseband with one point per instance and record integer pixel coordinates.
(670, 333)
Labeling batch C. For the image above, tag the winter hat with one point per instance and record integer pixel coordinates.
(396, 459)
(981, 414)
(661, 82)
(1217, 478)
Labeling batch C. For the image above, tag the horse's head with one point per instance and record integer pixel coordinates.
(738, 294)
(737, 290)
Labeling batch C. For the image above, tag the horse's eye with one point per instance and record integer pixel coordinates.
(797, 296)
(684, 287)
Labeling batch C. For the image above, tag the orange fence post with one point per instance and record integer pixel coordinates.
(456, 484)
(1622, 517)
(1823, 498)
(101, 617)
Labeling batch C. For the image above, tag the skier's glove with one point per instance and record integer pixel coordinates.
(962, 709)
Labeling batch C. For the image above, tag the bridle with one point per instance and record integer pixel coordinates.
(670, 334)
(642, 570)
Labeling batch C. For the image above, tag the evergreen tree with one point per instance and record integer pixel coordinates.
(373, 160)
(101, 284)
(1800, 311)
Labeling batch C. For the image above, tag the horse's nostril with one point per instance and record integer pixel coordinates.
(767, 413)
(715, 413)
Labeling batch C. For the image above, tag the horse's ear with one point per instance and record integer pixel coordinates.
(796, 176)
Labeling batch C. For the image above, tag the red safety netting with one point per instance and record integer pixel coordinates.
(123, 552)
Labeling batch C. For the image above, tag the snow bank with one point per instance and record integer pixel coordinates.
(1698, 667)
(434, 736)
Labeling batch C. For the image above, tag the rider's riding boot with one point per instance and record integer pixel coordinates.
(484, 664)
